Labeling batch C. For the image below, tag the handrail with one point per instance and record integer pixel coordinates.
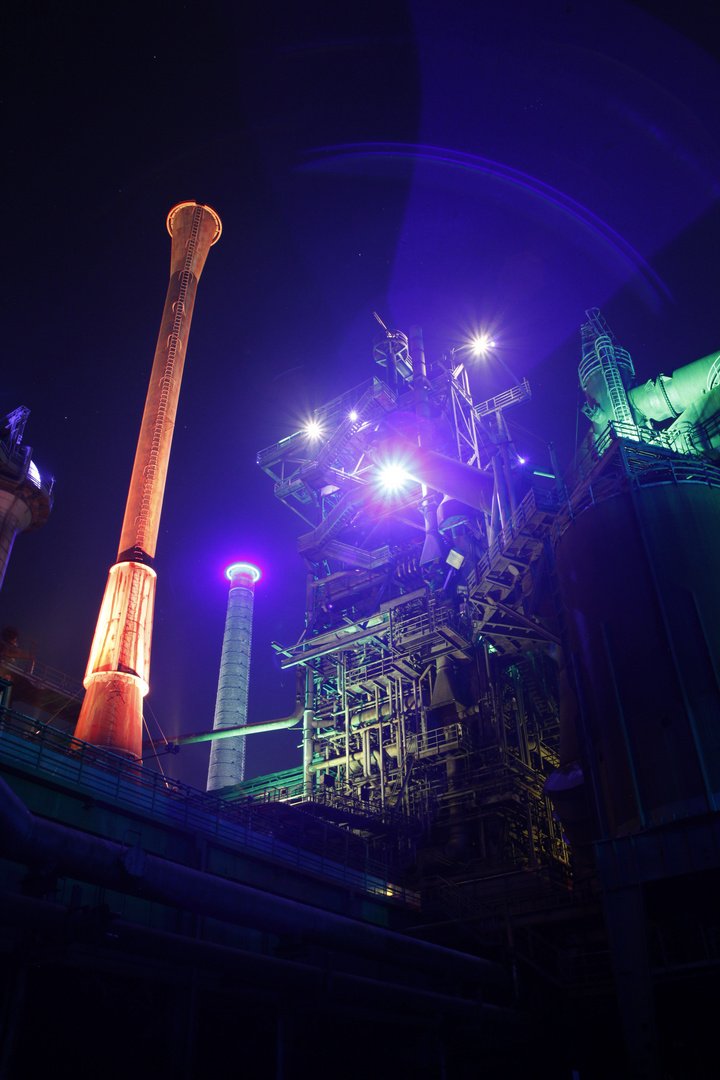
(44, 675)
(63, 758)
(617, 461)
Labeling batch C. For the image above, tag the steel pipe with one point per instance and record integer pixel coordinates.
(59, 848)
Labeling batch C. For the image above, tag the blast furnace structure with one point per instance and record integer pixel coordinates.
(432, 718)
(508, 672)
(508, 694)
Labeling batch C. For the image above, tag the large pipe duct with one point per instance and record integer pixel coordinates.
(116, 678)
(263, 726)
(667, 396)
(437, 471)
(272, 974)
(282, 723)
(227, 758)
(36, 842)
(690, 397)
(450, 477)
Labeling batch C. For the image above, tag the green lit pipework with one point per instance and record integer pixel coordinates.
(680, 411)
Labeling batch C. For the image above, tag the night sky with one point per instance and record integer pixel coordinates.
(458, 165)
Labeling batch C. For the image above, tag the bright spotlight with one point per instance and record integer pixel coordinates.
(313, 429)
(481, 344)
(243, 569)
(352, 415)
(393, 477)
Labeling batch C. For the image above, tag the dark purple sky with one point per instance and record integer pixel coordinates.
(452, 164)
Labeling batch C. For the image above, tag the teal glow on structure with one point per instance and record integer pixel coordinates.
(227, 756)
(679, 412)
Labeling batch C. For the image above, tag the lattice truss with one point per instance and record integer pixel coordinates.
(313, 473)
(416, 723)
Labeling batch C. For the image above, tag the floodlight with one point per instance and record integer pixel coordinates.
(393, 476)
(33, 474)
(455, 558)
(481, 343)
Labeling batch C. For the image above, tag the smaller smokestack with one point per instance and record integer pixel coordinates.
(227, 756)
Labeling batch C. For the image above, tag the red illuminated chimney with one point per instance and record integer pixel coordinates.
(116, 679)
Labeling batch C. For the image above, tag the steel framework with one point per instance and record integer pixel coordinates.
(430, 724)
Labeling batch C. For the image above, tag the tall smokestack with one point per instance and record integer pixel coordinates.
(227, 756)
(117, 673)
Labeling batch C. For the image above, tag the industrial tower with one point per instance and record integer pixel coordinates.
(227, 757)
(509, 694)
(512, 674)
(116, 678)
(26, 497)
(429, 656)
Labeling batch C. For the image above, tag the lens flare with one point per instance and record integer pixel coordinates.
(481, 344)
(393, 477)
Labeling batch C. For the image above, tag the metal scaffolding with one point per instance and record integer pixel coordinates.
(430, 722)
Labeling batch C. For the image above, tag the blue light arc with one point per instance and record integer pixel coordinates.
(457, 159)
